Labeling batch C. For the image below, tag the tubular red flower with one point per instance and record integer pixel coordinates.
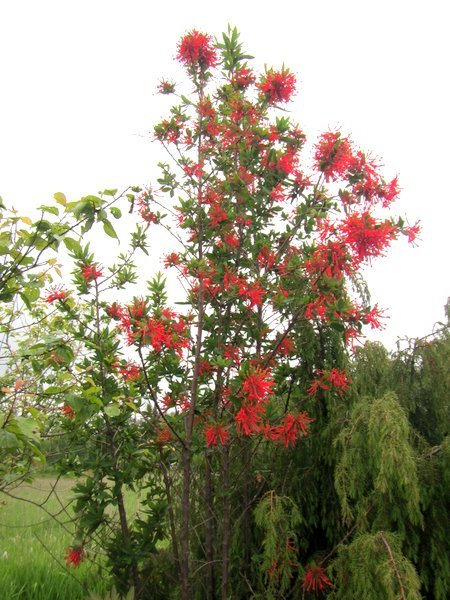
(196, 48)
(90, 272)
(74, 556)
(315, 579)
(258, 385)
(366, 236)
(216, 433)
(278, 86)
(243, 78)
(67, 411)
(164, 435)
(333, 155)
(55, 294)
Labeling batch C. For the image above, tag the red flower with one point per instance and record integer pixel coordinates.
(231, 240)
(196, 48)
(333, 155)
(253, 292)
(194, 170)
(412, 232)
(248, 419)
(373, 318)
(367, 236)
(242, 78)
(286, 346)
(131, 372)
(115, 311)
(55, 294)
(335, 378)
(214, 433)
(74, 556)
(331, 259)
(166, 87)
(278, 86)
(233, 353)
(258, 385)
(67, 411)
(315, 579)
(90, 272)
(172, 259)
(292, 427)
(164, 435)
(338, 380)
(205, 367)
(143, 206)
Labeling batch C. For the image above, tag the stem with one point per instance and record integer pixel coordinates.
(189, 423)
(394, 566)
(173, 531)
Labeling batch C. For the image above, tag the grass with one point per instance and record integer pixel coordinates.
(33, 546)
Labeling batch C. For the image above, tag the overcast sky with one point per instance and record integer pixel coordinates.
(78, 100)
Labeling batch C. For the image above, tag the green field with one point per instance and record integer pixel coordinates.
(33, 546)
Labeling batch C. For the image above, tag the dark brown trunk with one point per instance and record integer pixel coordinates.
(209, 531)
(185, 518)
(226, 521)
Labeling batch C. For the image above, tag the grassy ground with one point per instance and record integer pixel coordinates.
(33, 547)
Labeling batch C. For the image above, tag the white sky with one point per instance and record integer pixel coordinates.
(78, 101)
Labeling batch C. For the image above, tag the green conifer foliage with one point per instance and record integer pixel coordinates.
(373, 567)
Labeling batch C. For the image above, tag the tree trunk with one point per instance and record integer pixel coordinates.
(226, 521)
(209, 531)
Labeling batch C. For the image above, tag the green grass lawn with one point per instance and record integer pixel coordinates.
(33, 546)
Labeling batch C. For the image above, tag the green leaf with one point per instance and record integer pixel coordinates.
(113, 410)
(50, 209)
(27, 427)
(8, 440)
(116, 212)
(111, 192)
(60, 198)
(72, 245)
(109, 229)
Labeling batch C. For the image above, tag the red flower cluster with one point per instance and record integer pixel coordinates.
(74, 556)
(367, 236)
(115, 311)
(335, 379)
(252, 292)
(131, 372)
(333, 155)
(67, 411)
(166, 87)
(164, 435)
(243, 78)
(412, 232)
(171, 260)
(278, 86)
(216, 433)
(290, 429)
(196, 48)
(249, 418)
(90, 272)
(55, 294)
(331, 259)
(143, 206)
(315, 579)
(168, 331)
(258, 385)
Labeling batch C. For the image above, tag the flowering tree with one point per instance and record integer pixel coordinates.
(224, 412)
